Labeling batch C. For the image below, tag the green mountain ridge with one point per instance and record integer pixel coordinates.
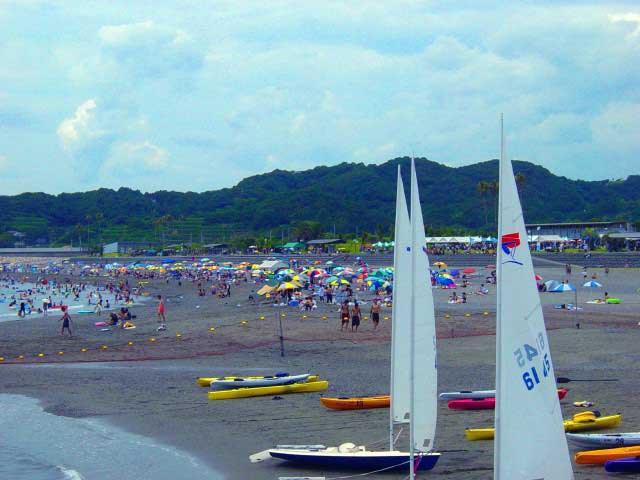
(343, 197)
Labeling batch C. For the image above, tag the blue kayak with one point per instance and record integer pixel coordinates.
(628, 465)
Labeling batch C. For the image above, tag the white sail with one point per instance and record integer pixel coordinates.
(401, 313)
(424, 377)
(529, 439)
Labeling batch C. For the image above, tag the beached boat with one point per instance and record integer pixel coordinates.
(272, 390)
(600, 457)
(413, 361)
(206, 381)
(485, 403)
(250, 382)
(482, 394)
(356, 403)
(604, 440)
(530, 441)
(467, 394)
(573, 425)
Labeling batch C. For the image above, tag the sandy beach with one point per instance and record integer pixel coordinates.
(149, 388)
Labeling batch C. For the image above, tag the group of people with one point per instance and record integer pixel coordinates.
(352, 311)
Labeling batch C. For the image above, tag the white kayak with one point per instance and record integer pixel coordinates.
(463, 394)
(245, 382)
(604, 440)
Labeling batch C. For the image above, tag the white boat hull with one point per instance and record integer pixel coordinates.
(464, 394)
(258, 382)
(604, 440)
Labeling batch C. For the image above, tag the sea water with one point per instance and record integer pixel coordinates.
(8, 290)
(35, 445)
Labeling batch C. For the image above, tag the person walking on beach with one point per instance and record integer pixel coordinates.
(355, 317)
(161, 318)
(375, 314)
(66, 321)
(344, 315)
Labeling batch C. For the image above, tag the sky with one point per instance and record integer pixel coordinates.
(196, 95)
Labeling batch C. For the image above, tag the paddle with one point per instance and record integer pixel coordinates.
(567, 380)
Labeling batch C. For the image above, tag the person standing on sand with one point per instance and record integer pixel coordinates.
(161, 318)
(66, 321)
(344, 315)
(375, 314)
(355, 317)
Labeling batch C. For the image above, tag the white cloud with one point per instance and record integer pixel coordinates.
(298, 123)
(135, 158)
(627, 18)
(146, 49)
(616, 128)
(79, 128)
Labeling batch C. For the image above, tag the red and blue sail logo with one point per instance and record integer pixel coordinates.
(510, 242)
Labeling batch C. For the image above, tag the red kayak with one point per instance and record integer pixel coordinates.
(485, 403)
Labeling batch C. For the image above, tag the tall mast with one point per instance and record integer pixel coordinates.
(412, 330)
(497, 440)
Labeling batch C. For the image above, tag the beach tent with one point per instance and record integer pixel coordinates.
(265, 289)
(592, 284)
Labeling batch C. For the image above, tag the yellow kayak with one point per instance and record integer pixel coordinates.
(275, 390)
(580, 422)
(206, 381)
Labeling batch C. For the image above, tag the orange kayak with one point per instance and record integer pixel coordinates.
(600, 457)
(356, 403)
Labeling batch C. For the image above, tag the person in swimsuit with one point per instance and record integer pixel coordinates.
(161, 318)
(355, 317)
(375, 314)
(66, 321)
(344, 315)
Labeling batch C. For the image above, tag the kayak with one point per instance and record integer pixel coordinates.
(581, 422)
(629, 465)
(485, 403)
(206, 381)
(604, 440)
(240, 382)
(274, 390)
(599, 457)
(467, 394)
(356, 403)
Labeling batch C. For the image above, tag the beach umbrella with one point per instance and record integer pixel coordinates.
(442, 280)
(469, 270)
(440, 264)
(567, 287)
(168, 260)
(592, 284)
(454, 273)
(288, 286)
(491, 267)
(551, 284)
(538, 278)
(563, 287)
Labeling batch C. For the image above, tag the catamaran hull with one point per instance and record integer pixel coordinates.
(367, 461)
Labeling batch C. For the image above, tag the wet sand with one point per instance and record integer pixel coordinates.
(160, 398)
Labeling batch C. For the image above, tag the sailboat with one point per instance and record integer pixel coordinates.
(530, 442)
(413, 362)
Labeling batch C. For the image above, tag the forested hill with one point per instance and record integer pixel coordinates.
(345, 195)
